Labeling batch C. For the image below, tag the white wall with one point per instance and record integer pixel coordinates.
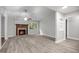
(60, 27)
(73, 25)
(2, 26)
(11, 29)
(47, 25)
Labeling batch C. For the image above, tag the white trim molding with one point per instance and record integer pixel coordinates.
(6, 35)
(59, 41)
(74, 38)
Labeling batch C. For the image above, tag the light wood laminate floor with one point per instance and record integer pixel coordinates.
(39, 44)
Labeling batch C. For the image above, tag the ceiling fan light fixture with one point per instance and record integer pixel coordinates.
(64, 7)
(25, 18)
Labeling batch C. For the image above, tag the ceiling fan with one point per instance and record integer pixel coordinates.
(27, 18)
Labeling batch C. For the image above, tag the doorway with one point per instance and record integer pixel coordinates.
(2, 29)
(66, 28)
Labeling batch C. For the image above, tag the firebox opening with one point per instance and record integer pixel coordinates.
(22, 32)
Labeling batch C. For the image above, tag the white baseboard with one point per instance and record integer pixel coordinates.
(11, 35)
(2, 36)
(48, 35)
(59, 41)
(74, 38)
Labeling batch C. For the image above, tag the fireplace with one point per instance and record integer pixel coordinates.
(22, 32)
(21, 29)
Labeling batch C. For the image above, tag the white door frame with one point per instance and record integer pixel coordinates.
(6, 35)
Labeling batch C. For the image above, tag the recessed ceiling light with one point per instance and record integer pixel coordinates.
(64, 7)
(25, 19)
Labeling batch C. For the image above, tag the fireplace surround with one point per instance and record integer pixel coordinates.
(21, 29)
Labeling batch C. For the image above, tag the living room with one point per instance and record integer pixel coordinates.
(34, 26)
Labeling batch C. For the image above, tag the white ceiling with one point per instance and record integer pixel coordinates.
(35, 12)
(38, 8)
(39, 12)
(65, 11)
